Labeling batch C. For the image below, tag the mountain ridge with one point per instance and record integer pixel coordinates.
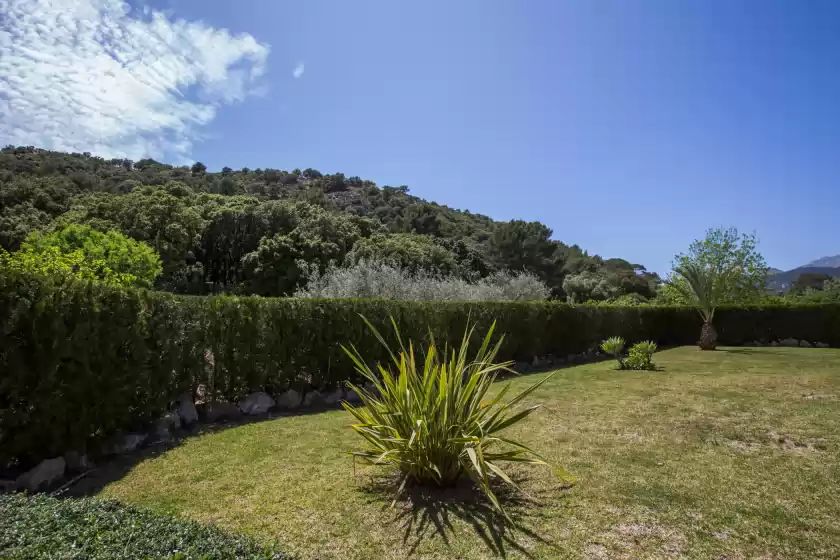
(825, 262)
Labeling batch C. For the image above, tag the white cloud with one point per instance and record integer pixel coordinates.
(298, 71)
(97, 76)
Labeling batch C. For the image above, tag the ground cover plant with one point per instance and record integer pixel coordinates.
(43, 527)
(730, 454)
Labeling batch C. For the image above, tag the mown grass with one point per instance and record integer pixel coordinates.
(732, 454)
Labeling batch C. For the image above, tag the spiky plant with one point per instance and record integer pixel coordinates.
(614, 346)
(704, 290)
(434, 418)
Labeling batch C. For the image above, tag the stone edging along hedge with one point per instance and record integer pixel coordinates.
(82, 363)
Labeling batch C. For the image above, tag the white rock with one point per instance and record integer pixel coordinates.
(215, 411)
(166, 424)
(186, 410)
(77, 462)
(289, 400)
(821, 345)
(334, 397)
(256, 403)
(352, 397)
(791, 342)
(804, 344)
(125, 444)
(45, 474)
(313, 398)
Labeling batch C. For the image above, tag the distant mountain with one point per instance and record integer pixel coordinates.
(828, 262)
(782, 281)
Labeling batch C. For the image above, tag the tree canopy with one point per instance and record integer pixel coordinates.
(254, 230)
(82, 251)
(733, 259)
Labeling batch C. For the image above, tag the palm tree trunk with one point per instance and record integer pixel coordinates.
(708, 337)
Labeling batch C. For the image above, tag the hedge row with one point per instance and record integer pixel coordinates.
(81, 361)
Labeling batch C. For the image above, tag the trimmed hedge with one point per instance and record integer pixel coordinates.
(80, 361)
(44, 527)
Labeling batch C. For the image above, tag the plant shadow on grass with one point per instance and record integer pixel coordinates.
(750, 351)
(423, 512)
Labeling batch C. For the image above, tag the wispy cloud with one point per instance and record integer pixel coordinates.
(298, 71)
(97, 76)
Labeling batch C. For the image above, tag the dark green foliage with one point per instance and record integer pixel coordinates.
(43, 527)
(811, 322)
(208, 227)
(809, 281)
(407, 251)
(81, 361)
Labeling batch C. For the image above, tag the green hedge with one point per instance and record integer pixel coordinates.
(44, 527)
(81, 361)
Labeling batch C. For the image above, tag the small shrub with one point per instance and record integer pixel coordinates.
(641, 356)
(433, 419)
(614, 346)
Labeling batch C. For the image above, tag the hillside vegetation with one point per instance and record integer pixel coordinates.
(262, 231)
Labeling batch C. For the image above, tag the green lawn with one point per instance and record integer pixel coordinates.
(732, 454)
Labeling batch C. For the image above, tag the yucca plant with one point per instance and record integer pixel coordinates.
(434, 418)
(614, 346)
(704, 289)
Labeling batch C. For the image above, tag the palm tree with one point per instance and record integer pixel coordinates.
(704, 290)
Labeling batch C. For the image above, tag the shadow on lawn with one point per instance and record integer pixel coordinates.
(751, 351)
(113, 468)
(422, 513)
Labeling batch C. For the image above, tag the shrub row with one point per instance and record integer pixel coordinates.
(80, 361)
(44, 527)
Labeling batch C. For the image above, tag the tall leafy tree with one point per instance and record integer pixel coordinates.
(809, 281)
(739, 269)
(407, 251)
(82, 251)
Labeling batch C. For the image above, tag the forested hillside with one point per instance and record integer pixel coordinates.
(257, 230)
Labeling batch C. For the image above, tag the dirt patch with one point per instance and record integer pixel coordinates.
(631, 436)
(794, 444)
(596, 551)
(746, 447)
(819, 396)
(633, 540)
(779, 442)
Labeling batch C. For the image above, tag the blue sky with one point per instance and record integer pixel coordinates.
(628, 127)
